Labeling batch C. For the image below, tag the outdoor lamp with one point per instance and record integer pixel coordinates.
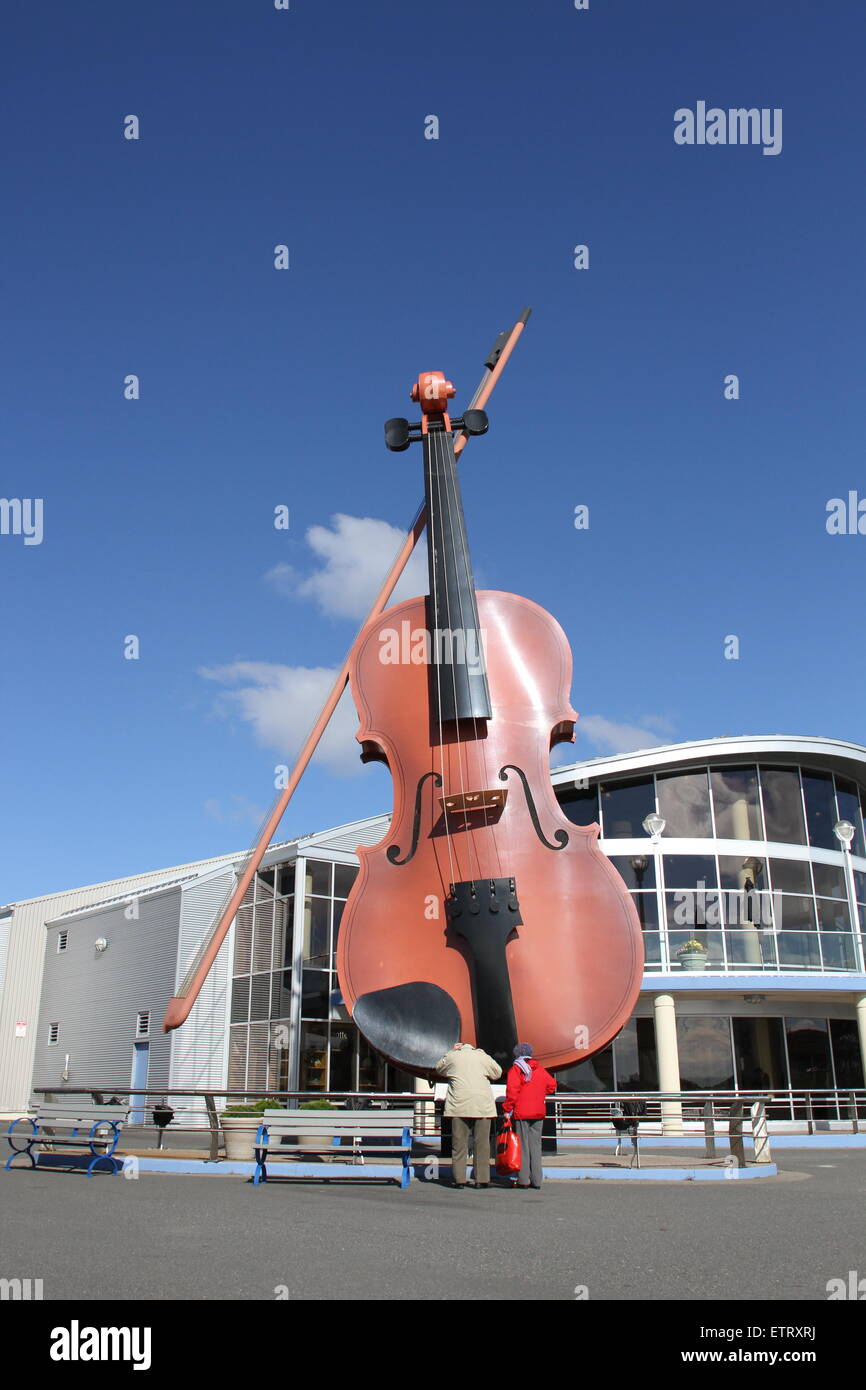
(100, 944)
(844, 832)
(654, 824)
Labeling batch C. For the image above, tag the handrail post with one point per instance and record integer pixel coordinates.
(213, 1121)
(735, 1133)
(709, 1130)
(810, 1115)
(760, 1133)
(855, 1123)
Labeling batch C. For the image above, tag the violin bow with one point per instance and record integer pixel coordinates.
(180, 1005)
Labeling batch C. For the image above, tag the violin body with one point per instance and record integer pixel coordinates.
(573, 951)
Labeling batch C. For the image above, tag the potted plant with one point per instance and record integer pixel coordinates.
(240, 1125)
(693, 955)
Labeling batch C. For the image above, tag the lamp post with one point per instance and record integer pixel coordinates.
(844, 832)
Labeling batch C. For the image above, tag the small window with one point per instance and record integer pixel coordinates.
(62, 939)
(142, 1026)
(53, 1033)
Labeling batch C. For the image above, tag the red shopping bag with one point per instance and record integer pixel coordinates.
(507, 1151)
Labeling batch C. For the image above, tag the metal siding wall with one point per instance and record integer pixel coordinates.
(19, 992)
(95, 997)
(199, 1052)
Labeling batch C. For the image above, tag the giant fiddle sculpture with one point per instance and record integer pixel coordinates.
(484, 913)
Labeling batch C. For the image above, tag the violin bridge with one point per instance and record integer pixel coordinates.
(474, 801)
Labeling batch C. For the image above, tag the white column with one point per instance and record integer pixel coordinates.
(861, 1028)
(668, 1060)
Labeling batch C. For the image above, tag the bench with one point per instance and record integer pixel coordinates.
(83, 1128)
(388, 1132)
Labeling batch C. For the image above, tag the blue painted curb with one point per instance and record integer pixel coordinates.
(658, 1141)
(378, 1170)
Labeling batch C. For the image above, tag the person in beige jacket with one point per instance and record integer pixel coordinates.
(469, 1102)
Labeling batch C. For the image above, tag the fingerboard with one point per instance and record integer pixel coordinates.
(457, 670)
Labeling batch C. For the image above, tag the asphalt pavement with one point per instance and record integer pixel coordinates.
(204, 1238)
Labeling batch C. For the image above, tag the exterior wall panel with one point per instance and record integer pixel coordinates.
(95, 998)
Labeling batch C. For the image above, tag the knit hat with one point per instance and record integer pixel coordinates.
(523, 1050)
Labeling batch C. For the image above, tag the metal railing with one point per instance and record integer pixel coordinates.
(696, 1115)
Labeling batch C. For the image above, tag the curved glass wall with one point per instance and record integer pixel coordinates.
(749, 912)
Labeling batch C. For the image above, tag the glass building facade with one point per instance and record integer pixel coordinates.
(748, 865)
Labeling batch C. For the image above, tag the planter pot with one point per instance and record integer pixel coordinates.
(239, 1133)
(693, 960)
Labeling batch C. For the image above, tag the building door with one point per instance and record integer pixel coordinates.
(140, 1059)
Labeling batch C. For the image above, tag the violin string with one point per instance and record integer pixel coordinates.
(431, 541)
(454, 520)
(440, 447)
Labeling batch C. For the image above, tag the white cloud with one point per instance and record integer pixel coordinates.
(281, 704)
(606, 736)
(355, 556)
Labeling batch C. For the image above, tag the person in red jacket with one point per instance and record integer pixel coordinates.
(526, 1092)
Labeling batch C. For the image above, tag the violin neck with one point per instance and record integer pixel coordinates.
(458, 673)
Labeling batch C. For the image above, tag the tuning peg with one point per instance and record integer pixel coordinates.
(475, 421)
(397, 435)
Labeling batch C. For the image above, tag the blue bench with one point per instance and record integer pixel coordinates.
(293, 1134)
(83, 1128)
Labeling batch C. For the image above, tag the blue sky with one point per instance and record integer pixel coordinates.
(262, 387)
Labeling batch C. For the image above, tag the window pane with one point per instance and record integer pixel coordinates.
(371, 1067)
(647, 910)
(317, 913)
(837, 951)
(652, 950)
(706, 1058)
(636, 870)
(237, 1073)
(830, 881)
(798, 950)
(759, 1054)
(595, 1074)
(285, 912)
(260, 996)
(635, 1056)
(833, 915)
(257, 1066)
(286, 879)
(624, 806)
(783, 806)
(749, 947)
(820, 809)
(846, 1052)
(794, 914)
(314, 996)
(693, 912)
(314, 1057)
(344, 878)
(690, 870)
(735, 801)
(339, 907)
(860, 886)
(848, 798)
(278, 1055)
(281, 994)
(684, 801)
(809, 1053)
(318, 877)
(790, 876)
(734, 871)
(243, 940)
(581, 807)
(240, 1000)
(342, 1058)
(710, 940)
(748, 910)
(263, 936)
